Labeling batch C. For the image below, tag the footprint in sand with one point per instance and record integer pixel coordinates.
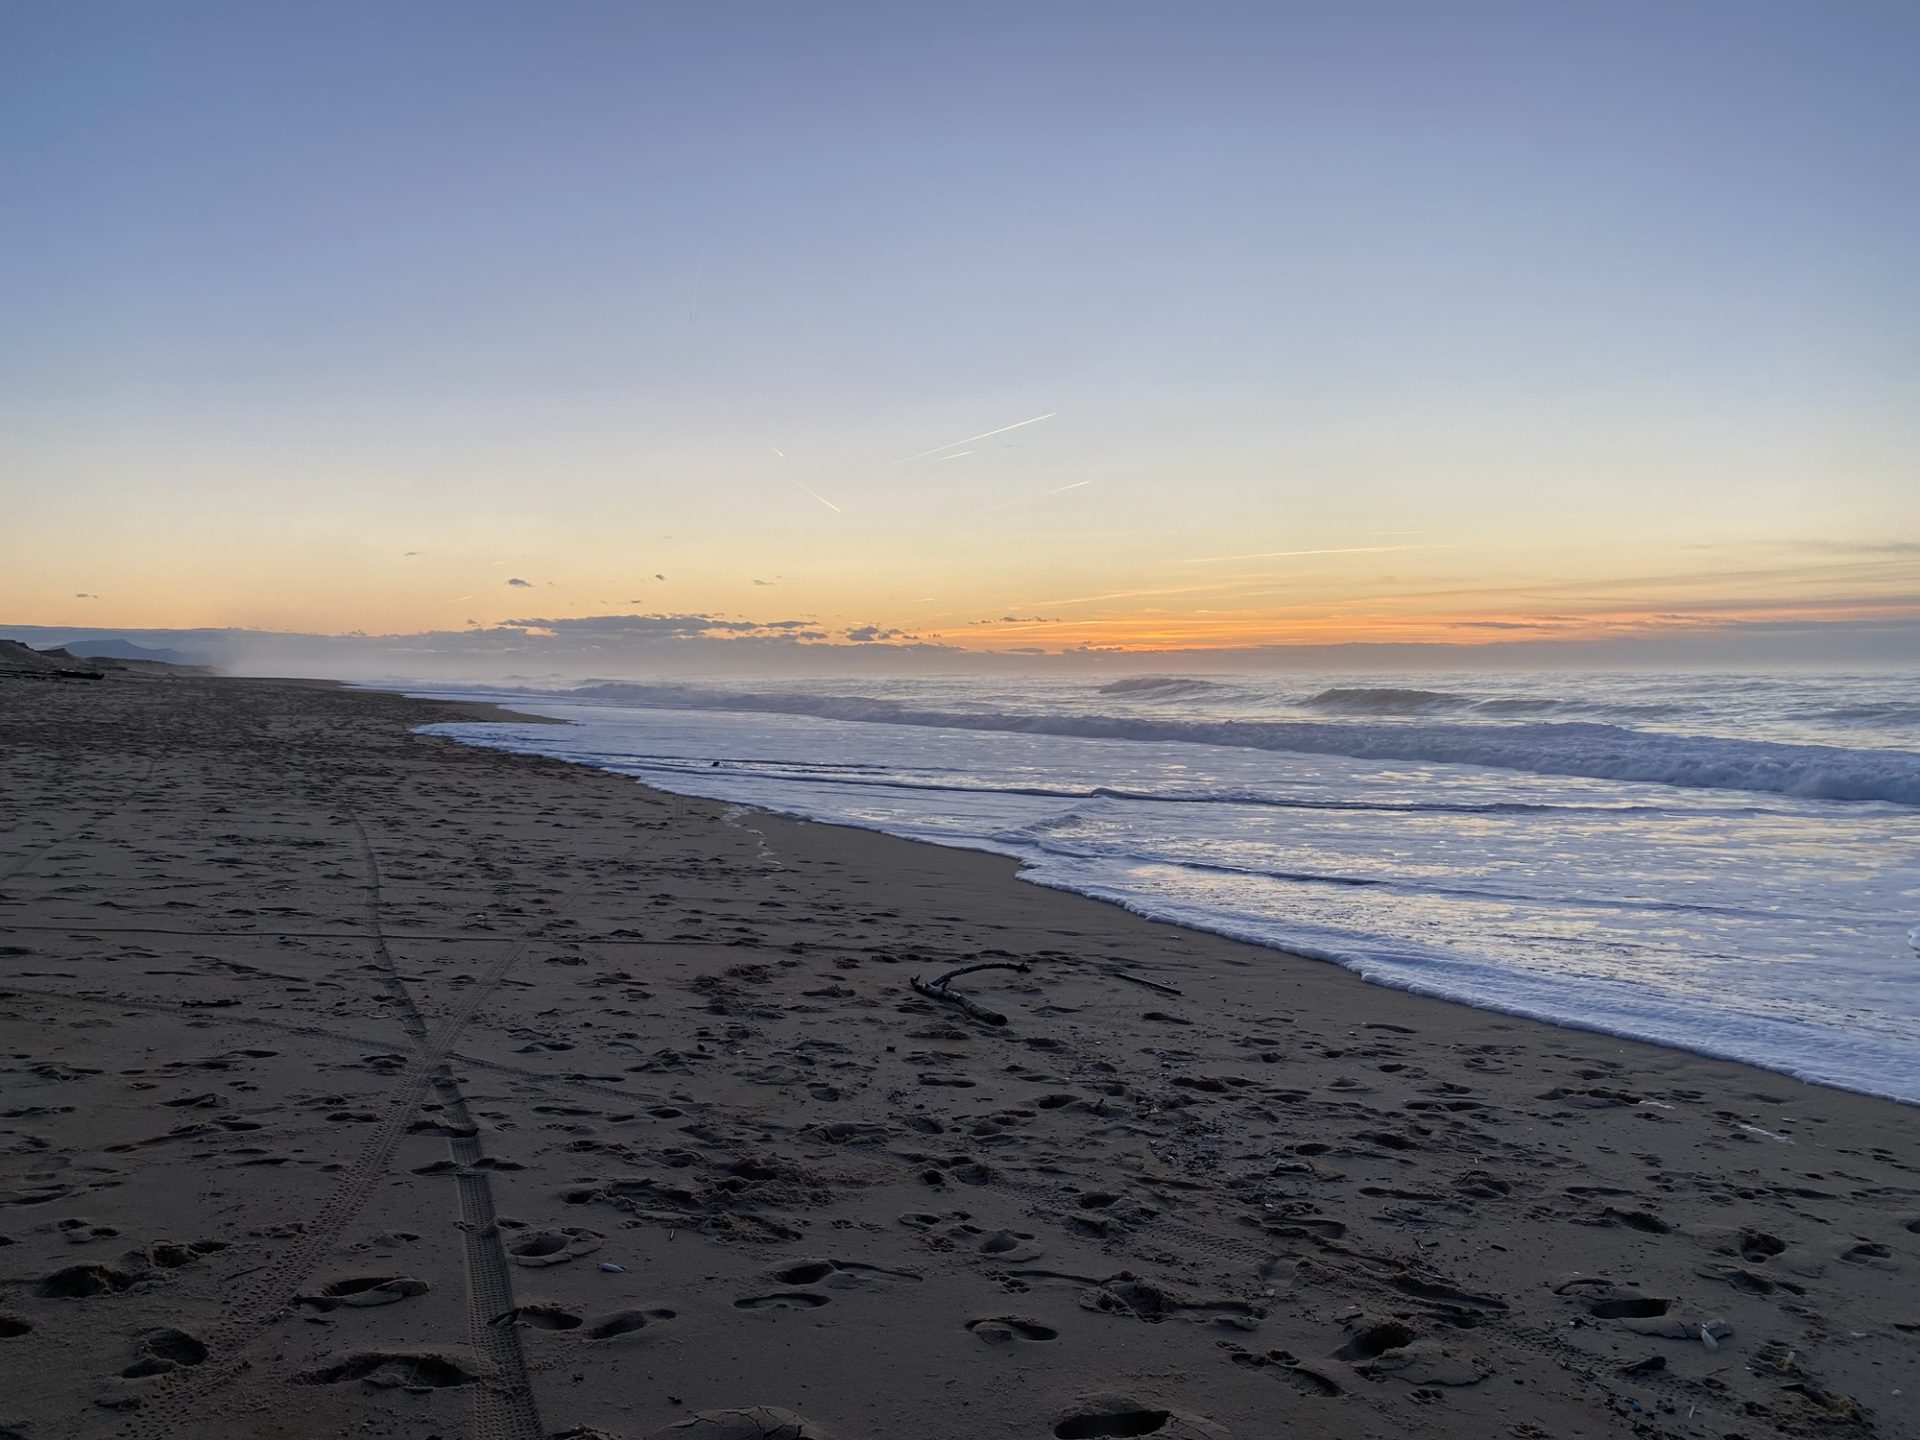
(1870, 1252)
(1128, 1296)
(161, 1351)
(1116, 1417)
(840, 1274)
(172, 1254)
(787, 1300)
(77, 1282)
(1007, 1329)
(1011, 1247)
(553, 1247)
(1626, 1306)
(363, 1292)
(395, 1370)
(1286, 1367)
(1753, 1246)
(627, 1322)
(84, 1232)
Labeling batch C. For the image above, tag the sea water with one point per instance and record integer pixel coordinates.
(1728, 864)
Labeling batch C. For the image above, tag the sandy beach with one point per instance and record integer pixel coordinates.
(354, 1082)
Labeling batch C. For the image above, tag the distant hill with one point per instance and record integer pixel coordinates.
(18, 659)
(118, 649)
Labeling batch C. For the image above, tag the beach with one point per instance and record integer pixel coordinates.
(359, 1082)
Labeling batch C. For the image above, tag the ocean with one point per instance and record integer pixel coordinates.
(1727, 864)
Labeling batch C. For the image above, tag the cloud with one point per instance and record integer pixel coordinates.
(1817, 547)
(519, 583)
(84, 595)
(411, 553)
(768, 584)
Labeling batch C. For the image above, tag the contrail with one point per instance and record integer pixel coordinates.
(818, 496)
(1058, 489)
(944, 458)
(778, 451)
(970, 439)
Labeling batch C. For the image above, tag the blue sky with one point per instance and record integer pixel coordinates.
(1481, 302)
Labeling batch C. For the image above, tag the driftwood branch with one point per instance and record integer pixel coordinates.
(947, 979)
(936, 989)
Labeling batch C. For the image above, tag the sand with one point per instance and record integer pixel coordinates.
(360, 1083)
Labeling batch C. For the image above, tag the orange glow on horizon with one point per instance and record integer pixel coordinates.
(1305, 625)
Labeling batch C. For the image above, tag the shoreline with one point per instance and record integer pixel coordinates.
(686, 1046)
(1025, 870)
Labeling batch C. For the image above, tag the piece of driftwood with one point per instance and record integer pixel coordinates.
(936, 989)
(1142, 980)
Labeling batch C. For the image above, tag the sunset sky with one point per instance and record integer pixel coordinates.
(1363, 322)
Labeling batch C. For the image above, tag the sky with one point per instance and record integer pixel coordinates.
(1278, 326)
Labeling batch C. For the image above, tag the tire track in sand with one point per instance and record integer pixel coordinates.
(504, 1407)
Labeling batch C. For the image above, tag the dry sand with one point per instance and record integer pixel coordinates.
(340, 1068)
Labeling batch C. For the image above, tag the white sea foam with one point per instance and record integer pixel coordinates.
(1583, 748)
(1698, 890)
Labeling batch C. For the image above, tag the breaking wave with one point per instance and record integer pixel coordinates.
(1161, 687)
(1584, 749)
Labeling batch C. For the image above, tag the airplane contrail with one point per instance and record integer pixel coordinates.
(818, 496)
(944, 458)
(1057, 490)
(778, 451)
(970, 439)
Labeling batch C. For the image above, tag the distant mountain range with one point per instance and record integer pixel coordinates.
(118, 649)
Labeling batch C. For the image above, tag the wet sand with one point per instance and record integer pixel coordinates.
(360, 1083)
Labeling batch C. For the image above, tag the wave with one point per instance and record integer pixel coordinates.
(1892, 713)
(1161, 687)
(865, 777)
(1363, 701)
(1583, 749)
(1344, 700)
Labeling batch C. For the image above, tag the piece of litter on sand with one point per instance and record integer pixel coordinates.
(607, 1267)
(1760, 1130)
(1706, 1336)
